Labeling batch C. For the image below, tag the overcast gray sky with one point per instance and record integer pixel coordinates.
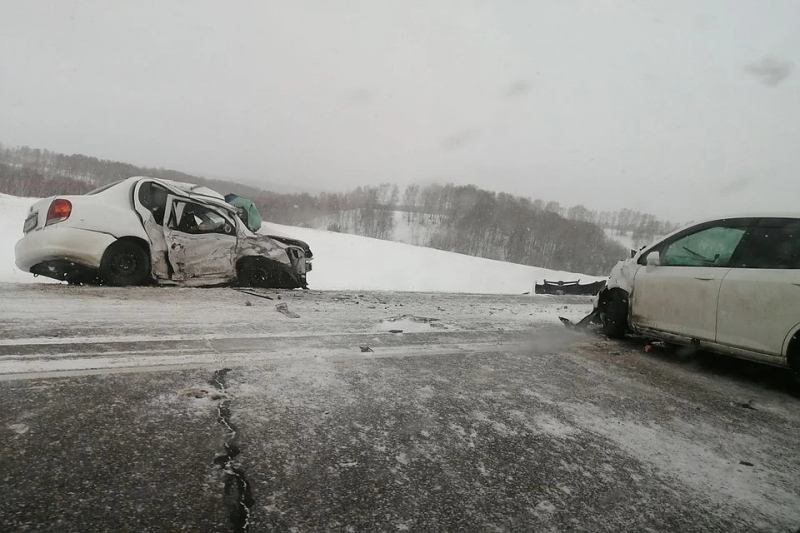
(679, 108)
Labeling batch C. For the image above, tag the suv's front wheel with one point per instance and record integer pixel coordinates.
(614, 314)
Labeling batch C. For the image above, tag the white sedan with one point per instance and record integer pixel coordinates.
(730, 285)
(143, 230)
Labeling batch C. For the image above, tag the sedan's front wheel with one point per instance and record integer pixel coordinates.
(257, 272)
(124, 263)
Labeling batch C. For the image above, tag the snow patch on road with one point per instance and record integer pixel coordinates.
(410, 324)
(710, 470)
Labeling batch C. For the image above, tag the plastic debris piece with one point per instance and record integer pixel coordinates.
(284, 309)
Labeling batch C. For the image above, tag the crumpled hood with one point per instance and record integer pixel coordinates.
(288, 241)
(264, 246)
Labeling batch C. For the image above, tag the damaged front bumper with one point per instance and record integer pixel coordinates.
(619, 280)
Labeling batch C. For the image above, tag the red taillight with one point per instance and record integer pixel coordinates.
(59, 211)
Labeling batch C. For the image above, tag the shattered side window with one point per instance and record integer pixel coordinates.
(198, 219)
(773, 244)
(154, 198)
(709, 247)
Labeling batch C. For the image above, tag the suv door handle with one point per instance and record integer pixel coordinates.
(706, 277)
(796, 283)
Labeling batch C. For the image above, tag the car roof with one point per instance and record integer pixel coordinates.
(191, 190)
(761, 214)
(194, 189)
(738, 216)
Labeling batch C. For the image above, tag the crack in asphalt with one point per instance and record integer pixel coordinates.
(237, 495)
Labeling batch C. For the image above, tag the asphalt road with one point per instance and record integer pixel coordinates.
(164, 409)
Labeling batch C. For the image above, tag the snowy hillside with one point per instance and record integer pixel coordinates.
(415, 232)
(348, 262)
(627, 240)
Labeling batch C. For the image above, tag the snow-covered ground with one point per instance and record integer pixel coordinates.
(348, 262)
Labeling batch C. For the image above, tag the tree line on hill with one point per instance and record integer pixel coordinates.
(463, 219)
(77, 168)
(27, 182)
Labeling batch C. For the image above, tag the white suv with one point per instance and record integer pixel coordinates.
(728, 285)
(141, 230)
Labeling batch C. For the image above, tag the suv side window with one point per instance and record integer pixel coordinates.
(773, 243)
(196, 219)
(712, 246)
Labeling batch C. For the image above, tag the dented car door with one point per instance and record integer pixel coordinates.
(201, 242)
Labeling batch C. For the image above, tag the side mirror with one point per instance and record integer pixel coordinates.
(633, 254)
(653, 259)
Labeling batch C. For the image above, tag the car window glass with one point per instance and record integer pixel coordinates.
(709, 247)
(773, 243)
(198, 219)
(154, 198)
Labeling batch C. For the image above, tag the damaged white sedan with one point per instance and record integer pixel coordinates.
(729, 285)
(142, 230)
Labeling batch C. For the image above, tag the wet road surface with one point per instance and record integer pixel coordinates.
(157, 409)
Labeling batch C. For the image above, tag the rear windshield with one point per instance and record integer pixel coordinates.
(104, 187)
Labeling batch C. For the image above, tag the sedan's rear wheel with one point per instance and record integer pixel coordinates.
(124, 263)
(614, 315)
(793, 358)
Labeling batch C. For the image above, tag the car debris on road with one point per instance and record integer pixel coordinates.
(591, 318)
(569, 287)
(283, 309)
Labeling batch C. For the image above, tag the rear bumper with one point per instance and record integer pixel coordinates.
(57, 244)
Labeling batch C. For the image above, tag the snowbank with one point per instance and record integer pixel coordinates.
(347, 262)
(351, 262)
